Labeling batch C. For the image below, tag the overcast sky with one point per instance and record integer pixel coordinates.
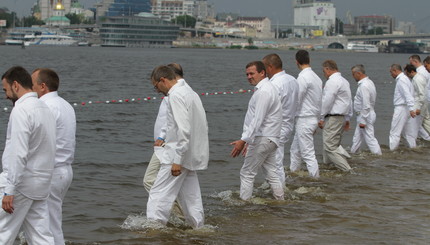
(417, 11)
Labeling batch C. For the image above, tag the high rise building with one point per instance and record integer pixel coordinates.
(369, 24)
(170, 9)
(122, 7)
(314, 15)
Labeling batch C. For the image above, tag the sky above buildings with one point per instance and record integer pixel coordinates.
(280, 11)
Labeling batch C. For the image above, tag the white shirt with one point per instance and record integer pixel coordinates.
(423, 71)
(264, 114)
(364, 100)
(29, 153)
(160, 126)
(187, 141)
(420, 90)
(403, 93)
(337, 97)
(289, 91)
(310, 93)
(65, 120)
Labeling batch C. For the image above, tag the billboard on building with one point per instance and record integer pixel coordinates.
(2, 22)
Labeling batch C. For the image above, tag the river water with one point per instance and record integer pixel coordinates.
(387, 201)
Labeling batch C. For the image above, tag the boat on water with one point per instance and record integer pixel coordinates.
(362, 47)
(49, 39)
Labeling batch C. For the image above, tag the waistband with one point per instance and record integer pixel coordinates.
(334, 115)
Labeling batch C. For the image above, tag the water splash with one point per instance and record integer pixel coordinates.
(139, 222)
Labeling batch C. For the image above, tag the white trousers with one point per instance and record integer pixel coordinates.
(151, 172)
(332, 137)
(422, 133)
(404, 125)
(368, 134)
(280, 170)
(302, 148)
(185, 188)
(60, 183)
(260, 154)
(31, 215)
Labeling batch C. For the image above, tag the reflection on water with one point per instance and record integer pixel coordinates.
(386, 201)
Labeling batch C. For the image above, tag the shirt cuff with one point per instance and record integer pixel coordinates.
(9, 190)
(177, 159)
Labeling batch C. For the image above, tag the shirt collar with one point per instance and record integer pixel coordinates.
(261, 83)
(336, 74)
(178, 84)
(362, 81)
(277, 75)
(49, 95)
(25, 96)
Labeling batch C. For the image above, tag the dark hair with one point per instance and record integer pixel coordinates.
(302, 57)
(258, 65)
(49, 77)
(274, 60)
(330, 64)
(396, 67)
(415, 57)
(409, 68)
(162, 71)
(427, 60)
(20, 75)
(177, 68)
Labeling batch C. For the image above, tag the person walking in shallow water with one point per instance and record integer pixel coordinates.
(336, 112)
(364, 107)
(260, 137)
(186, 150)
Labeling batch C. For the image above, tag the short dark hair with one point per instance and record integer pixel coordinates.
(427, 60)
(177, 68)
(49, 77)
(258, 65)
(302, 57)
(396, 67)
(409, 68)
(162, 71)
(415, 57)
(274, 60)
(20, 75)
(330, 64)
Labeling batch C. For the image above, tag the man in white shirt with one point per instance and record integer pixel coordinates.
(336, 112)
(364, 106)
(419, 83)
(426, 64)
(308, 111)
(45, 84)
(186, 150)
(288, 89)
(160, 128)
(28, 162)
(404, 111)
(424, 128)
(260, 136)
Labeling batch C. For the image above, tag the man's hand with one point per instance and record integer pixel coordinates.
(159, 142)
(413, 114)
(361, 125)
(418, 112)
(238, 147)
(346, 127)
(321, 124)
(176, 169)
(7, 204)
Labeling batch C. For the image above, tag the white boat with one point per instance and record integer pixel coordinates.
(49, 39)
(361, 47)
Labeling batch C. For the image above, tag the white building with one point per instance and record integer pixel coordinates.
(313, 15)
(170, 9)
(261, 24)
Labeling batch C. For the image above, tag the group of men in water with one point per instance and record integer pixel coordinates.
(37, 158)
(280, 105)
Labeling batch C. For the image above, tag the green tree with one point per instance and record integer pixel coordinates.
(379, 31)
(75, 18)
(30, 21)
(185, 21)
(5, 15)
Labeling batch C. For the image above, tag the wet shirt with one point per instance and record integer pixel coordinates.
(29, 154)
(310, 93)
(364, 100)
(65, 120)
(186, 140)
(264, 114)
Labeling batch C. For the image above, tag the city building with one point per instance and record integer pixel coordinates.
(406, 27)
(170, 9)
(261, 24)
(47, 7)
(370, 24)
(143, 30)
(122, 7)
(58, 17)
(312, 15)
